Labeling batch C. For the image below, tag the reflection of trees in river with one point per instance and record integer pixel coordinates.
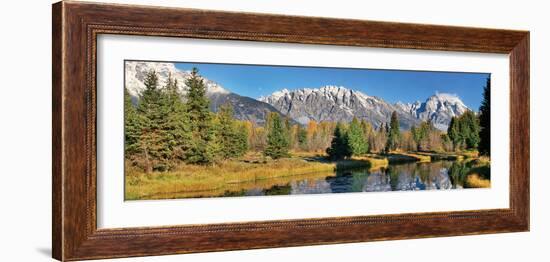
(342, 182)
(278, 190)
(377, 182)
(310, 186)
(396, 177)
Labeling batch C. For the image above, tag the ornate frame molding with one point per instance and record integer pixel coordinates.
(76, 26)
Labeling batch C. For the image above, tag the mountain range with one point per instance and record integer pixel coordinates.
(244, 108)
(327, 103)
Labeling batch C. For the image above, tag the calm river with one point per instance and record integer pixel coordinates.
(438, 175)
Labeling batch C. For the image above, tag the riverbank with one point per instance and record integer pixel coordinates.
(479, 173)
(194, 178)
(422, 156)
(253, 169)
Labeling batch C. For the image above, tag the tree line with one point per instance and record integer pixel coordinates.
(165, 128)
(465, 132)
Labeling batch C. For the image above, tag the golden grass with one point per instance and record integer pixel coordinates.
(230, 189)
(421, 158)
(307, 153)
(254, 170)
(408, 157)
(481, 161)
(374, 162)
(441, 155)
(195, 178)
(248, 172)
(469, 154)
(475, 181)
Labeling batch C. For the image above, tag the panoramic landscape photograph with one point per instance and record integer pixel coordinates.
(196, 130)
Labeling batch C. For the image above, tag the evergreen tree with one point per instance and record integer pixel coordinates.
(485, 120)
(421, 135)
(241, 142)
(132, 126)
(177, 121)
(470, 129)
(339, 146)
(464, 131)
(203, 148)
(301, 136)
(356, 138)
(447, 143)
(393, 133)
(277, 138)
(232, 137)
(154, 138)
(453, 132)
(416, 136)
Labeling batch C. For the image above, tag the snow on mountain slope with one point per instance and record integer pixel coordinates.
(327, 103)
(245, 108)
(337, 103)
(334, 103)
(136, 72)
(438, 108)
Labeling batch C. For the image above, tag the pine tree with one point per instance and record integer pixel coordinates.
(447, 143)
(243, 135)
(177, 122)
(464, 131)
(356, 138)
(421, 135)
(154, 138)
(132, 126)
(301, 137)
(416, 136)
(232, 137)
(203, 148)
(485, 120)
(339, 146)
(393, 133)
(453, 132)
(277, 139)
(470, 129)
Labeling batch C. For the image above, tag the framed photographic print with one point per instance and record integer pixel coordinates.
(181, 130)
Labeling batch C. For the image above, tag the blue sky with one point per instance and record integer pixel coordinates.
(391, 85)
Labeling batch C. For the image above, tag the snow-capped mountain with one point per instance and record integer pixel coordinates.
(245, 108)
(328, 103)
(337, 103)
(136, 72)
(438, 108)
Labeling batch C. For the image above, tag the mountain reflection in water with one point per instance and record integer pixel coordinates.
(396, 177)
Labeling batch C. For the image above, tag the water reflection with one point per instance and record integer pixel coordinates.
(440, 175)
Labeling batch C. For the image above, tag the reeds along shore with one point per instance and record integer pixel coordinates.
(254, 170)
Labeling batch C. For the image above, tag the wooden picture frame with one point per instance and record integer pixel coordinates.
(76, 26)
